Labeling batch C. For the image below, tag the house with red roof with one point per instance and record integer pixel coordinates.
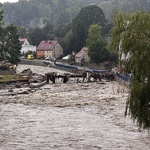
(50, 48)
(82, 56)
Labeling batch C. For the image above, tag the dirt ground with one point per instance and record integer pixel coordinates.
(71, 116)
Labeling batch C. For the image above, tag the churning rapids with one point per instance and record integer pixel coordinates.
(70, 116)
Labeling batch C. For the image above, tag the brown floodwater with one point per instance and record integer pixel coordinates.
(72, 116)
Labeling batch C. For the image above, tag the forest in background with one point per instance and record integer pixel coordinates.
(66, 20)
(33, 13)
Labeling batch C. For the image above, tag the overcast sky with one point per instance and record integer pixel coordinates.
(2, 1)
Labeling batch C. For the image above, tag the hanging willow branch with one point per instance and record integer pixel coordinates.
(133, 31)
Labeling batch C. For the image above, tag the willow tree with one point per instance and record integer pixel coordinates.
(131, 38)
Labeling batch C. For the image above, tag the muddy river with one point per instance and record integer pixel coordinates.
(71, 116)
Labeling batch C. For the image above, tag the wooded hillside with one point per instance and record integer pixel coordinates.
(32, 13)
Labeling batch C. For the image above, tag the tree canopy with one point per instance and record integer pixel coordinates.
(9, 43)
(87, 16)
(33, 13)
(36, 35)
(96, 44)
(131, 38)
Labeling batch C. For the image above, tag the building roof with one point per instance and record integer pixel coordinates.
(81, 52)
(22, 39)
(47, 45)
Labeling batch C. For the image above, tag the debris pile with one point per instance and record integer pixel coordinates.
(7, 68)
(21, 83)
(26, 81)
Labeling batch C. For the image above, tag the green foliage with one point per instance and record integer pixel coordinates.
(9, 43)
(31, 16)
(30, 53)
(96, 45)
(113, 57)
(66, 42)
(22, 31)
(30, 13)
(33, 13)
(36, 35)
(1, 16)
(80, 25)
(131, 36)
(73, 36)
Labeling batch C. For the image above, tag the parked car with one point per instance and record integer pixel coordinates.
(53, 59)
(30, 57)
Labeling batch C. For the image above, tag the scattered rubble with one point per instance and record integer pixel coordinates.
(25, 81)
(20, 83)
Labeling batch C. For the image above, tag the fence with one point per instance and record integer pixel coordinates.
(124, 82)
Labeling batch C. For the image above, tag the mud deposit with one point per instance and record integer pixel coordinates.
(71, 116)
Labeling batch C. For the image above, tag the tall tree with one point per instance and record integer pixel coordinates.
(36, 35)
(131, 37)
(9, 43)
(80, 25)
(65, 36)
(96, 45)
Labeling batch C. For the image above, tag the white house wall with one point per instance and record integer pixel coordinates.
(26, 48)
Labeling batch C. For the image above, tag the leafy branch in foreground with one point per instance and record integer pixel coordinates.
(131, 39)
